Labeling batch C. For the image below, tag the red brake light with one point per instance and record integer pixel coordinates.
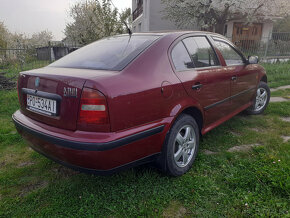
(93, 108)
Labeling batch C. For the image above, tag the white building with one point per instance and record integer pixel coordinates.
(148, 16)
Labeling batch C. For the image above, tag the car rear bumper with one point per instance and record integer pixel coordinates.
(94, 152)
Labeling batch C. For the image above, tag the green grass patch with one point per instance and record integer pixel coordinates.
(281, 93)
(12, 70)
(253, 183)
(278, 74)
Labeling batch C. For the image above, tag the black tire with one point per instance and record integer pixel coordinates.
(184, 123)
(253, 110)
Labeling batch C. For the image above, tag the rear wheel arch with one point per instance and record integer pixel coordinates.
(264, 79)
(196, 114)
(192, 111)
(165, 162)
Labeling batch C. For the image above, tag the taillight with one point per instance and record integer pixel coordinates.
(93, 109)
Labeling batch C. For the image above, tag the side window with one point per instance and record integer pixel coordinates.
(201, 52)
(180, 58)
(230, 55)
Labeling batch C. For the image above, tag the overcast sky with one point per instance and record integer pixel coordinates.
(29, 16)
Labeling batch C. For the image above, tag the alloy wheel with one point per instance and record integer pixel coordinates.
(261, 99)
(184, 146)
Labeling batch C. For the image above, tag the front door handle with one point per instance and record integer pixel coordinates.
(196, 86)
(234, 78)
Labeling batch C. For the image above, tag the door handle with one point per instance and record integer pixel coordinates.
(234, 78)
(196, 86)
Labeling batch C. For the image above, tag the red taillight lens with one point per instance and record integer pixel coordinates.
(93, 108)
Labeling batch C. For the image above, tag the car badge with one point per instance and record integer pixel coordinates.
(37, 81)
(70, 92)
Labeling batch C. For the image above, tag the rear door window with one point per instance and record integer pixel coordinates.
(201, 52)
(180, 58)
(113, 53)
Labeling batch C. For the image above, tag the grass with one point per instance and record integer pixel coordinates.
(252, 183)
(278, 74)
(12, 70)
(285, 93)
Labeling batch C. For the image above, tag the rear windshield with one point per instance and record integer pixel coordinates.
(112, 53)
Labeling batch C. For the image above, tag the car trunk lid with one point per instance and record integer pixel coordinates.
(52, 95)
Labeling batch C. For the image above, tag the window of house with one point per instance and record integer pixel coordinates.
(139, 3)
(180, 58)
(201, 52)
(231, 56)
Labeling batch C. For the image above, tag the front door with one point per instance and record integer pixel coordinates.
(243, 76)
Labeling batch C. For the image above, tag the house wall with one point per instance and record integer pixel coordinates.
(157, 21)
(230, 28)
(266, 31)
(141, 24)
(152, 18)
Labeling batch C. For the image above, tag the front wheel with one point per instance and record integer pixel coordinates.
(261, 101)
(181, 146)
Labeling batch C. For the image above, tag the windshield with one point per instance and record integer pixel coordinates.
(112, 53)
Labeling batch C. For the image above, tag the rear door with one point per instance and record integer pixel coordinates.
(243, 76)
(204, 79)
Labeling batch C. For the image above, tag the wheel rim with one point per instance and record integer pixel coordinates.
(261, 99)
(184, 146)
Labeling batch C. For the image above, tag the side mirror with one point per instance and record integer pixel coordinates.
(253, 60)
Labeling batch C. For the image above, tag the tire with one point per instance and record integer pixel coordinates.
(260, 103)
(180, 147)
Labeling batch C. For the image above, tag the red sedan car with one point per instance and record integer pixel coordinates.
(127, 100)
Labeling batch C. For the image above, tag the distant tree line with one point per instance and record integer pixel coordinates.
(18, 40)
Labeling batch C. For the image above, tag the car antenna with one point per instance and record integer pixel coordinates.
(124, 22)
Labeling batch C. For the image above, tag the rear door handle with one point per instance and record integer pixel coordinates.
(197, 86)
(234, 78)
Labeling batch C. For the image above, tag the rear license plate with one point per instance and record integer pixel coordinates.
(41, 105)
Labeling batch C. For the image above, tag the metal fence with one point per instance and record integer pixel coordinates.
(22, 58)
(276, 45)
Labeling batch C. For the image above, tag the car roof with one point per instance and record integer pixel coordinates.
(174, 32)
